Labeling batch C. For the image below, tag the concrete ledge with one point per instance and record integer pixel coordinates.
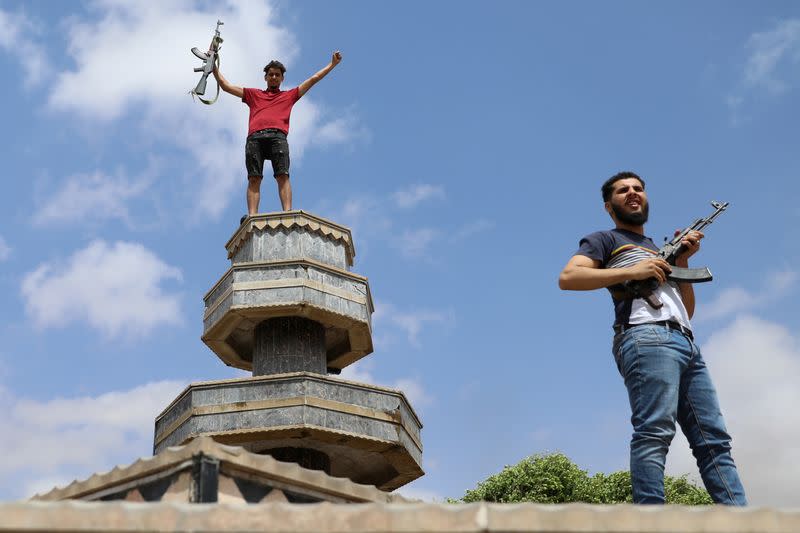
(420, 517)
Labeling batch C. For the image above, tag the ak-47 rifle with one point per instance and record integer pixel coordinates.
(669, 253)
(210, 60)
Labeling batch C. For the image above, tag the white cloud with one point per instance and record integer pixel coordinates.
(472, 228)
(416, 243)
(364, 215)
(368, 215)
(755, 366)
(58, 440)
(414, 391)
(155, 91)
(5, 249)
(114, 288)
(358, 372)
(410, 322)
(413, 492)
(415, 194)
(342, 130)
(18, 39)
(767, 50)
(91, 196)
(771, 65)
(735, 300)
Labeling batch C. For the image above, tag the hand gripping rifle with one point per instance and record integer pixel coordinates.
(210, 59)
(670, 252)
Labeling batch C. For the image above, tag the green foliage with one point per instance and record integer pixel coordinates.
(682, 491)
(608, 488)
(554, 478)
(540, 478)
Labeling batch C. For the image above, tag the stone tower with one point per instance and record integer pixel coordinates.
(290, 311)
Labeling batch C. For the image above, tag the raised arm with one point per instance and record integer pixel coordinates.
(584, 274)
(226, 86)
(310, 82)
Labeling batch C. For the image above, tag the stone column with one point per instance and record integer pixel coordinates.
(289, 344)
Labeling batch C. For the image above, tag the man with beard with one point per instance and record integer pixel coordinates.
(666, 377)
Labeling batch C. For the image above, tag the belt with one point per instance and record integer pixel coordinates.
(669, 324)
(268, 130)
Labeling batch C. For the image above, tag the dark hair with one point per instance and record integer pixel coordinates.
(275, 64)
(608, 186)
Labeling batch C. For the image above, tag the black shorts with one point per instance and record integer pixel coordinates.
(266, 144)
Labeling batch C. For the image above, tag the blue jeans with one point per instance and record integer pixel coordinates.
(667, 380)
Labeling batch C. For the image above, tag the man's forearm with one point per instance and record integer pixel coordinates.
(310, 82)
(580, 278)
(321, 73)
(220, 78)
(225, 85)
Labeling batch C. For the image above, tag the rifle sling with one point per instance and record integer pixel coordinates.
(209, 102)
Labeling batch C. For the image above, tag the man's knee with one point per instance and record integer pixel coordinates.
(653, 437)
(655, 432)
(254, 181)
(282, 178)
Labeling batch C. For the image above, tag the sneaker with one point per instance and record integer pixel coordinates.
(241, 220)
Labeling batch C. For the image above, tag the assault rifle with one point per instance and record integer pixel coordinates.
(669, 253)
(210, 59)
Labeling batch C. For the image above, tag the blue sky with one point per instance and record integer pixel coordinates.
(465, 146)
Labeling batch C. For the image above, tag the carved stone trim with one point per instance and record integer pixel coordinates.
(278, 403)
(305, 262)
(289, 220)
(283, 284)
(291, 376)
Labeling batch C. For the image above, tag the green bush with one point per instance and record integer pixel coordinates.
(554, 478)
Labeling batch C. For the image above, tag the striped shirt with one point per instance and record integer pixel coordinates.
(619, 248)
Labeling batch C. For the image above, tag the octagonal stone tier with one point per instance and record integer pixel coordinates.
(251, 293)
(291, 235)
(289, 264)
(370, 434)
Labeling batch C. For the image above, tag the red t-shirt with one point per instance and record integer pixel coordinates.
(270, 109)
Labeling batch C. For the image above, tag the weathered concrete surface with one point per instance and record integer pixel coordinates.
(241, 476)
(290, 235)
(377, 518)
(250, 293)
(370, 434)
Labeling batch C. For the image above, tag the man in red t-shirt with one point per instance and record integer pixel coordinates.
(268, 127)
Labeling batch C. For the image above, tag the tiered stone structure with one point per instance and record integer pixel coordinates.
(289, 301)
(290, 311)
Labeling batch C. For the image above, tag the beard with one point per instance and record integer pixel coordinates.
(637, 218)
